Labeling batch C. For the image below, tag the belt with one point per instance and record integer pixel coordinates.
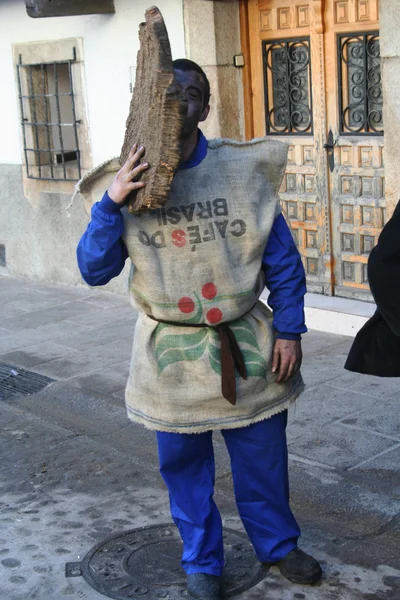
(231, 356)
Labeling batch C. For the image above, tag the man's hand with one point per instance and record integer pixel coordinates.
(286, 359)
(125, 180)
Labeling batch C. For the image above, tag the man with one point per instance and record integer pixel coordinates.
(206, 353)
(376, 348)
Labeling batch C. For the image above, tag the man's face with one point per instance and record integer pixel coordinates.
(193, 86)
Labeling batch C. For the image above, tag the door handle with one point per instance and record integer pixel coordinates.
(329, 146)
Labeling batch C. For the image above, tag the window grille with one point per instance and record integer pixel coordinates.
(48, 118)
(287, 86)
(360, 84)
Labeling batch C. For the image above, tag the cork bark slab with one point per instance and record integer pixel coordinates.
(156, 115)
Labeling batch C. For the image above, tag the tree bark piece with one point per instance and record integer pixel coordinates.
(156, 115)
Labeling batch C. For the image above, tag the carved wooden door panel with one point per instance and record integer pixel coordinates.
(303, 84)
(288, 101)
(354, 114)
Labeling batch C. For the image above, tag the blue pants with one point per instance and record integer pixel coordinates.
(259, 462)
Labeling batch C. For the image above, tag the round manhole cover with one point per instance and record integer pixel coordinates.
(145, 563)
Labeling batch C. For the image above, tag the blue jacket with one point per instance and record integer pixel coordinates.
(101, 255)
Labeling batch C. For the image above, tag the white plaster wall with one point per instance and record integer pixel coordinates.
(110, 48)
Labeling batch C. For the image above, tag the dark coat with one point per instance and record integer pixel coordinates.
(376, 348)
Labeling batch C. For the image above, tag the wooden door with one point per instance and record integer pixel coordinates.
(354, 114)
(313, 67)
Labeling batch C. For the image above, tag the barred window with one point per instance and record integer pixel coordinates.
(360, 84)
(287, 86)
(49, 123)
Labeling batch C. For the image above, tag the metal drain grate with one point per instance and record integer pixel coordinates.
(20, 382)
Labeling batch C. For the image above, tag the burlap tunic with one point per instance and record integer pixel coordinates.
(198, 260)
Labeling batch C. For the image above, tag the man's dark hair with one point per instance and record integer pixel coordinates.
(184, 64)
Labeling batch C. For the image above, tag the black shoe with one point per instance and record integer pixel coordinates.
(205, 586)
(299, 567)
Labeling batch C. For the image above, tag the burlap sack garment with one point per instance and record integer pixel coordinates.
(198, 260)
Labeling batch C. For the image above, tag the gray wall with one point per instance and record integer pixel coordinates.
(41, 241)
(212, 38)
(390, 52)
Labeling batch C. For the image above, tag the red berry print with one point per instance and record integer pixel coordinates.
(186, 305)
(214, 316)
(209, 291)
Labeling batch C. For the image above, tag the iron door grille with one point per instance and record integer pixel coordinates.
(48, 119)
(287, 86)
(360, 84)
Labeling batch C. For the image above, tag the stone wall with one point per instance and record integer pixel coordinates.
(390, 52)
(212, 38)
(41, 240)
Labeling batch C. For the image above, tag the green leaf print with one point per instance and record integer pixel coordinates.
(174, 348)
(159, 329)
(171, 348)
(256, 365)
(214, 355)
(244, 332)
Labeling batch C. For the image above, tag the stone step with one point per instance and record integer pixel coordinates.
(334, 315)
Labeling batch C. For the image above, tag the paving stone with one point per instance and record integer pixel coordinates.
(338, 446)
(33, 300)
(104, 333)
(21, 291)
(106, 380)
(108, 300)
(325, 365)
(7, 283)
(36, 354)
(9, 295)
(314, 342)
(378, 417)
(27, 337)
(69, 292)
(97, 317)
(385, 468)
(9, 310)
(379, 387)
(76, 364)
(120, 393)
(38, 318)
(322, 405)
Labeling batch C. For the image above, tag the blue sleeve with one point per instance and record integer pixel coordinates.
(101, 253)
(286, 281)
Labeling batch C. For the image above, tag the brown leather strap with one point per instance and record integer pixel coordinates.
(231, 356)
